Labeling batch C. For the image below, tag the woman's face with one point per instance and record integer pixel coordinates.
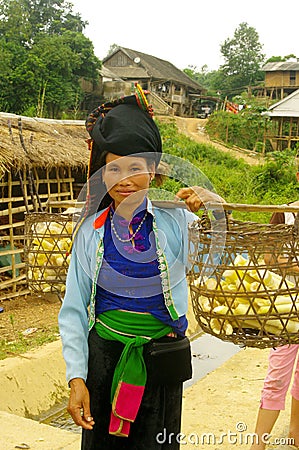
(127, 179)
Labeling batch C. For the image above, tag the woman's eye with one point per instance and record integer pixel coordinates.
(135, 169)
(113, 169)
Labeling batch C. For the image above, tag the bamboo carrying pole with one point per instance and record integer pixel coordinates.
(228, 206)
(250, 207)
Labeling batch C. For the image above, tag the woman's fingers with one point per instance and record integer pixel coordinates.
(197, 196)
(193, 202)
(79, 404)
(81, 417)
(184, 193)
(86, 415)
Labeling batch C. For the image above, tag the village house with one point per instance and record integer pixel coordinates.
(281, 79)
(164, 81)
(283, 128)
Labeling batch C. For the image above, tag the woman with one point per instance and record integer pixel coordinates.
(283, 366)
(127, 291)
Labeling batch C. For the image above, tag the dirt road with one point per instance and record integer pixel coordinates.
(195, 129)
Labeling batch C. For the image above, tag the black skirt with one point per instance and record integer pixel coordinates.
(158, 422)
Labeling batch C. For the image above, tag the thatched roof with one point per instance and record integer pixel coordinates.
(49, 143)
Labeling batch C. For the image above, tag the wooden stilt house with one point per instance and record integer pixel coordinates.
(41, 161)
(284, 130)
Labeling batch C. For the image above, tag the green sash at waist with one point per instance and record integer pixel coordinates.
(134, 330)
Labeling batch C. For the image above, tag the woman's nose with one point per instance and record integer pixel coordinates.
(125, 179)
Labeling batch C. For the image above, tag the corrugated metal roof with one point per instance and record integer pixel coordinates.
(281, 114)
(154, 68)
(284, 66)
(287, 107)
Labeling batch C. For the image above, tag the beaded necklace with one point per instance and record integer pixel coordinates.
(131, 238)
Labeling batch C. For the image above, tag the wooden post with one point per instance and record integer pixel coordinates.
(58, 183)
(280, 129)
(11, 229)
(224, 104)
(23, 191)
(264, 138)
(48, 182)
(71, 183)
(290, 133)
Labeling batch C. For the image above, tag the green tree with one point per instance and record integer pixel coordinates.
(14, 24)
(112, 48)
(212, 81)
(243, 58)
(44, 55)
(12, 57)
(281, 58)
(200, 77)
(32, 17)
(86, 62)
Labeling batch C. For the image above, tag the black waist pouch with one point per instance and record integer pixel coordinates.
(168, 360)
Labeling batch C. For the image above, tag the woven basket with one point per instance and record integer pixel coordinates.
(48, 239)
(236, 295)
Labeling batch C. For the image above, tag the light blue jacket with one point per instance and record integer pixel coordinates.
(76, 317)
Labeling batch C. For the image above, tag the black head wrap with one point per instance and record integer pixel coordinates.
(123, 127)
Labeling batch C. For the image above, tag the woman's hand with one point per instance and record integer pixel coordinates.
(197, 196)
(79, 404)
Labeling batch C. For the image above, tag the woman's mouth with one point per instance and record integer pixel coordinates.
(125, 193)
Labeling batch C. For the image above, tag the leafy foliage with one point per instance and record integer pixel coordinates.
(243, 57)
(242, 67)
(44, 54)
(245, 129)
(281, 58)
(273, 182)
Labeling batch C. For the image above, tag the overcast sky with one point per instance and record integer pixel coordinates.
(189, 32)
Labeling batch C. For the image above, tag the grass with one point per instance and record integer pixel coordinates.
(270, 183)
(21, 344)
